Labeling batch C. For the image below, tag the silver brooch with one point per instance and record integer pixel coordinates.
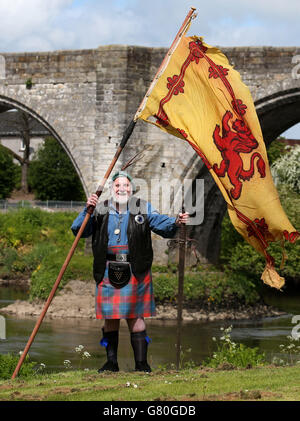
(139, 219)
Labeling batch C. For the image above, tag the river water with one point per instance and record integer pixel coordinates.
(57, 339)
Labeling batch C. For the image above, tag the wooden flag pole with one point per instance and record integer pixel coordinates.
(166, 59)
(99, 191)
(90, 210)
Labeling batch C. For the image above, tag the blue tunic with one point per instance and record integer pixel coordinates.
(136, 299)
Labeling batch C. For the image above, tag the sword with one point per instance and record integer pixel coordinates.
(181, 268)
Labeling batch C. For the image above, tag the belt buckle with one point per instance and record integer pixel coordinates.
(121, 257)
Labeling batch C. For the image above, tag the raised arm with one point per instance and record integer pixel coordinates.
(164, 225)
(92, 200)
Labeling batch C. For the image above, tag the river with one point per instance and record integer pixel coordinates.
(57, 339)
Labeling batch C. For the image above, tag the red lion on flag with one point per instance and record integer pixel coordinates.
(231, 144)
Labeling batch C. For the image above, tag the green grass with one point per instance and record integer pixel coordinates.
(35, 243)
(262, 383)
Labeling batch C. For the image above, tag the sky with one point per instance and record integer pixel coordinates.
(47, 25)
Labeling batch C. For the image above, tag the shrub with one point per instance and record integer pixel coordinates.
(52, 175)
(43, 278)
(30, 237)
(286, 169)
(275, 151)
(232, 355)
(239, 257)
(8, 364)
(208, 289)
(31, 226)
(8, 173)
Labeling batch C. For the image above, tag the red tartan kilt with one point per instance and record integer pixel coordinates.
(134, 300)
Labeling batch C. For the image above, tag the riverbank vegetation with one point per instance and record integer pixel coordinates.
(239, 257)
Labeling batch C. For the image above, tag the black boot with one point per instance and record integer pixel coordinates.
(110, 340)
(139, 342)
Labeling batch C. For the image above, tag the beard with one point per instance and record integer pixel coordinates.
(121, 199)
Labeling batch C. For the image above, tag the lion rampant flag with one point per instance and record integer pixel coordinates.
(200, 98)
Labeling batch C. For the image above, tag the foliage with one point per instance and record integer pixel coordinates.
(43, 278)
(8, 173)
(286, 170)
(290, 352)
(234, 355)
(28, 83)
(52, 175)
(206, 288)
(239, 257)
(27, 226)
(8, 364)
(34, 243)
(276, 150)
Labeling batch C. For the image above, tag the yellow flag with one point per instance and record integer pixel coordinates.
(200, 98)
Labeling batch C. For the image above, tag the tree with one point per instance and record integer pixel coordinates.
(7, 173)
(22, 123)
(52, 175)
(286, 169)
(239, 257)
(276, 149)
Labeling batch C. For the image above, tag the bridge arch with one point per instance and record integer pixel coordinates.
(7, 103)
(278, 112)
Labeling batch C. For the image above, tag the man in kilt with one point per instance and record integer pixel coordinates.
(121, 229)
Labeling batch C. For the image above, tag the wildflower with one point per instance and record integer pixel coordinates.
(127, 384)
(229, 329)
(135, 386)
(67, 363)
(214, 339)
(86, 354)
(79, 348)
(42, 365)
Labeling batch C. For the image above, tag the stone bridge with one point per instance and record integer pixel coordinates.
(86, 98)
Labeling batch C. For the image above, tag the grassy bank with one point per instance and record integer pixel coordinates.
(261, 383)
(34, 244)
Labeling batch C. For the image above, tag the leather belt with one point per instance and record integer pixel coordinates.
(119, 257)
